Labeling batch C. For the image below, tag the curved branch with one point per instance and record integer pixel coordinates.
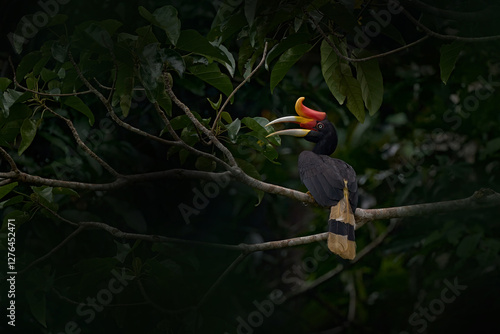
(357, 60)
(431, 33)
(488, 13)
(80, 143)
(201, 127)
(123, 180)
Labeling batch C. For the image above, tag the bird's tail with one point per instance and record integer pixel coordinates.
(341, 225)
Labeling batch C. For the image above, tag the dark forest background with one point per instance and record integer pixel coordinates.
(419, 126)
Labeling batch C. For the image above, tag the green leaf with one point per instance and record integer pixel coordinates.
(100, 35)
(193, 41)
(227, 117)
(174, 60)
(340, 81)
(59, 51)
(258, 125)
(4, 83)
(8, 99)
(285, 62)
(28, 133)
(65, 191)
(37, 305)
(44, 192)
(233, 129)
(250, 9)
(76, 103)
(449, 56)
(27, 63)
(215, 105)
(331, 69)
(166, 18)
(468, 245)
(212, 75)
(372, 84)
(12, 201)
(4, 190)
(205, 164)
(285, 44)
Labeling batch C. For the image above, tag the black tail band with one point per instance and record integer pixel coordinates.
(341, 228)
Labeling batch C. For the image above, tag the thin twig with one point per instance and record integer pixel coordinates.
(17, 84)
(354, 60)
(264, 52)
(201, 127)
(230, 268)
(53, 250)
(84, 147)
(431, 33)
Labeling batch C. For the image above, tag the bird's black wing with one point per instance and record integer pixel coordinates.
(324, 178)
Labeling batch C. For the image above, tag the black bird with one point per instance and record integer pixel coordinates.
(331, 182)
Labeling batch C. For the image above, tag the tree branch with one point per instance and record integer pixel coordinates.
(490, 12)
(431, 33)
(482, 198)
(357, 60)
(80, 143)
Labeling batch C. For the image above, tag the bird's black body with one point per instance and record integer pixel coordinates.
(324, 178)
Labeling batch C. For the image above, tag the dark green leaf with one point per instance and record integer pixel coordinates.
(193, 41)
(372, 85)
(468, 245)
(205, 164)
(174, 60)
(338, 76)
(215, 105)
(65, 191)
(28, 132)
(285, 62)
(449, 56)
(167, 19)
(59, 51)
(233, 129)
(212, 75)
(285, 44)
(4, 83)
(4, 190)
(8, 99)
(100, 35)
(37, 305)
(12, 201)
(27, 63)
(76, 103)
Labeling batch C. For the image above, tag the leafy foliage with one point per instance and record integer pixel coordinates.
(430, 134)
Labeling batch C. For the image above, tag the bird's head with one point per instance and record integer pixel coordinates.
(315, 128)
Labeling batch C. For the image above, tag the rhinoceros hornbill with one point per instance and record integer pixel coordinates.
(331, 182)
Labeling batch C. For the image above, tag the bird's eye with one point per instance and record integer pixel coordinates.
(320, 126)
